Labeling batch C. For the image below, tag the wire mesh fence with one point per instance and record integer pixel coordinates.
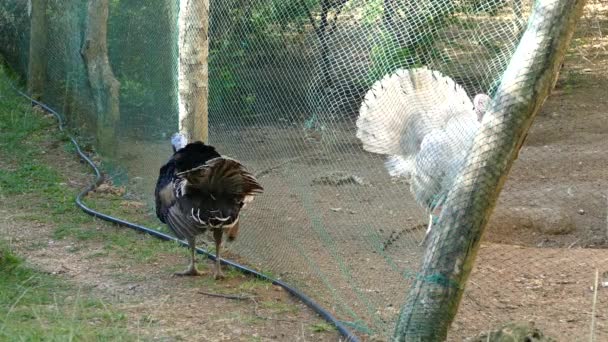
(288, 84)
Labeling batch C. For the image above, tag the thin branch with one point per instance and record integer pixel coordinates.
(274, 167)
(255, 307)
(311, 18)
(227, 296)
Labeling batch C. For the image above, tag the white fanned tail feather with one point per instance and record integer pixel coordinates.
(425, 123)
(401, 108)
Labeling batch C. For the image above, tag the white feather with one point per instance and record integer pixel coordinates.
(178, 141)
(398, 166)
(400, 109)
(425, 123)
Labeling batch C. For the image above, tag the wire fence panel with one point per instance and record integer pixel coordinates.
(356, 116)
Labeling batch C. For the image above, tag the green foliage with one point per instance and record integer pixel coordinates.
(13, 39)
(386, 56)
(31, 182)
(245, 29)
(142, 49)
(372, 11)
(322, 327)
(8, 261)
(278, 307)
(396, 48)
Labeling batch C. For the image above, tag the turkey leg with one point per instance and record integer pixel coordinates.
(191, 270)
(217, 235)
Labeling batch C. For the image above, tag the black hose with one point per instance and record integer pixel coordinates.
(246, 270)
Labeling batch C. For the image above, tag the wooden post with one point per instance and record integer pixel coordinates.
(105, 87)
(193, 70)
(38, 43)
(435, 294)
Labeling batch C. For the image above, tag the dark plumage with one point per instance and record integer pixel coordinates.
(198, 189)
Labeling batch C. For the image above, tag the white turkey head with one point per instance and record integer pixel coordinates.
(178, 141)
(482, 104)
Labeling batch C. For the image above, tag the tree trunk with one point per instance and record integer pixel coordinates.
(105, 87)
(434, 296)
(193, 69)
(173, 13)
(38, 44)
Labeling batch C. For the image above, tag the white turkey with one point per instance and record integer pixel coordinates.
(425, 123)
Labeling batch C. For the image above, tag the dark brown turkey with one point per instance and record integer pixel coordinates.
(198, 189)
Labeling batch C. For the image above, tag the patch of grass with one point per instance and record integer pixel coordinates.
(571, 80)
(25, 137)
(98, 254)
(254, 284)
(231, 272)
(269, 274)
(278, 307)
(70, 230)
(37, 245)
(36, 306)
(322, 327)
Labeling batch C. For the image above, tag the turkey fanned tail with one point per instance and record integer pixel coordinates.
(424, 123)
(401, 108)
(211, 196)
(197, 189)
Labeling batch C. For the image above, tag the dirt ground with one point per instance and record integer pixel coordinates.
(156, 305)
(335, 225)
(318, 227)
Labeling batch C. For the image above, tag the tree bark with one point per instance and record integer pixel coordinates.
(436, 292)
(105, 87)
(38, 44)
(193, 69)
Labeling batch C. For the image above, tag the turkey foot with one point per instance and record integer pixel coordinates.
(190, 271)
(218, 274)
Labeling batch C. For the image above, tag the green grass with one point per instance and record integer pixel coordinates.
(278, 307)
(36, 185)
(34, 305)
(254, 284)
(37, 306)
(30, 181)
(322, 327)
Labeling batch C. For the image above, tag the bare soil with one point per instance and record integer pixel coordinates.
(334, 224)
(157, 305)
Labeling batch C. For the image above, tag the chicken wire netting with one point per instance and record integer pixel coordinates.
(287, 83)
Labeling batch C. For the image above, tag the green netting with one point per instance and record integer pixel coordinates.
(287, 81)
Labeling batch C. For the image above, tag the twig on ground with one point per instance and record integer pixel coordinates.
(227, 296)
(255, 307)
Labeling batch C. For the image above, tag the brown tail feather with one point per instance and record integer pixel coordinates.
(223, 176)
